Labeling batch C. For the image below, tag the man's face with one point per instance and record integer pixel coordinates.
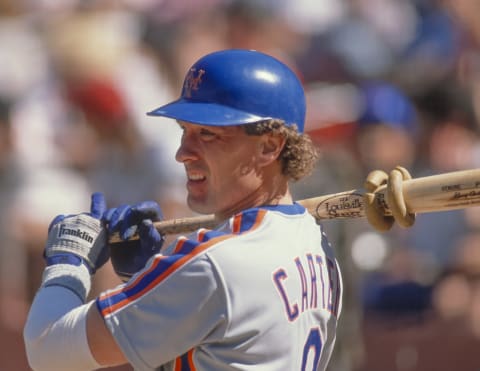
(222, 168)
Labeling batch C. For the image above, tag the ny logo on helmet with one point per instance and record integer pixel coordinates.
(192, 81)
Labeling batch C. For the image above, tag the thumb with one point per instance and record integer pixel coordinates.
(98, 205)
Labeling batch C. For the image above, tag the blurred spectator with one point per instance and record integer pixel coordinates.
(446, 334)
(99, 138)
(449, 142)
(436, 38)
(261, 25)
(456, 292)
(387, 128)
(395, 293)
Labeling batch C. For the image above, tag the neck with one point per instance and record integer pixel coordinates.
(275, 192)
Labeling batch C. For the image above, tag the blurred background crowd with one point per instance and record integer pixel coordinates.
(388, 82)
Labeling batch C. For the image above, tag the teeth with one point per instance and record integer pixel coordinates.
(195, 177)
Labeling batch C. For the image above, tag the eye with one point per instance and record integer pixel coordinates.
(207, 134)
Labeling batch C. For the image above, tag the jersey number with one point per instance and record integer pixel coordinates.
(313, 344)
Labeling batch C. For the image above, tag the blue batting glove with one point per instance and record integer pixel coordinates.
(130, 256)
(77, 239)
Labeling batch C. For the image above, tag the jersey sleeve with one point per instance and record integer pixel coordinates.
(177, 302)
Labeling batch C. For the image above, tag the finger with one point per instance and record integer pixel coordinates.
(107, 215)
(150, 235)
(98, 205)
(145, 210)
(116, 218)
(125, 219)
(128, 227)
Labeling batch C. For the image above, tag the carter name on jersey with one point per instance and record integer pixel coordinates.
(319, 286)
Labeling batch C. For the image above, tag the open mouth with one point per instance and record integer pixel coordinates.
(196, 177)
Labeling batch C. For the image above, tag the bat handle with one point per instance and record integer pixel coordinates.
(176, 226)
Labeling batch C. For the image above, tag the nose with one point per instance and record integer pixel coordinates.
(187, 150)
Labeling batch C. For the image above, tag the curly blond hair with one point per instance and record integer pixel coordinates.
(299, 155)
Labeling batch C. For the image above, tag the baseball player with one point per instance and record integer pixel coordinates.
(261, 291)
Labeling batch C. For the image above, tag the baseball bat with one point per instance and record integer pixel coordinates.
(442, 192)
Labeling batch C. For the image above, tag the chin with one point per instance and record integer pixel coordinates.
(199, 207)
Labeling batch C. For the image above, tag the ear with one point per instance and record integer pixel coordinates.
(270, 148)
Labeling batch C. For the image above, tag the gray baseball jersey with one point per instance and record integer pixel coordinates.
(261, 292)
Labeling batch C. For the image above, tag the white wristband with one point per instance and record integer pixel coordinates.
(73, 277)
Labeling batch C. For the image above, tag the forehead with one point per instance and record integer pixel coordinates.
(218, 129)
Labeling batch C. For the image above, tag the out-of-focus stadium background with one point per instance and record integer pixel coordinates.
(389, 82)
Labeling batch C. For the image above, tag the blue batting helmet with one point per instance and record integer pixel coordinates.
(233, 87)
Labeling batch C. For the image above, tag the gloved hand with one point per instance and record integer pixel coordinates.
(130, 256)
(77, 239)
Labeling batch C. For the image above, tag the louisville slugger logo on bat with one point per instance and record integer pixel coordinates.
(344, 205)
(442, 192)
